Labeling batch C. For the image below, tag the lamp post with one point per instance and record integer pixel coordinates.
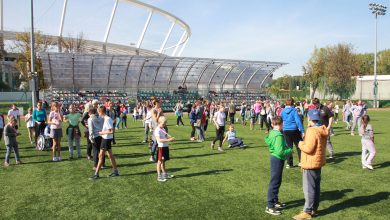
(33, 73)
(376, 9)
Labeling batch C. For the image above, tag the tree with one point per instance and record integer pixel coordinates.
(341, 66)
(315, 69)
(384, 62)
(73, 45)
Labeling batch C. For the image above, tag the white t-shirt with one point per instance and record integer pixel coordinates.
(107, 125)
(14, 113)
(149, 117)
(220, 118)
(160, 132)
(30, 123)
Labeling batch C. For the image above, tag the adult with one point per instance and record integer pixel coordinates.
(199, 114)
(257, 108)
(293, 130)
(357, 113)
(232, 111)
(263, 117)
(84, 122)
(326, 118)
(193, 118)
(111, 112)
(73, 131)
(347, 113)
(123, 115)
(30, 124)
(39, 117)
(189, 107)
(14, 112)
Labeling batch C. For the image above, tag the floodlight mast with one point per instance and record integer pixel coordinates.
(376, 9)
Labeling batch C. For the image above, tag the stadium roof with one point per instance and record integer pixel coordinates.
(134, 73)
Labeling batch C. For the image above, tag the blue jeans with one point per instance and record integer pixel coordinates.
(275, 182)
(9, 151)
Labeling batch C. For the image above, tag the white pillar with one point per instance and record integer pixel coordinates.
(141, 38)
(63, 18)
(166, 38)
(182, 47)
(110, 22)
(180, 42)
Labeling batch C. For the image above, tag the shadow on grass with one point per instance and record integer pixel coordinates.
(196, 155)
(328, 195)
(133, 155)
(356, 202)
(186, 148)
(170, 170)
(204, 173)
(340, 157)
(382, 165)
(135, 164)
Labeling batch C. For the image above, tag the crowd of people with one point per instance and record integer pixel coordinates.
(283, 122)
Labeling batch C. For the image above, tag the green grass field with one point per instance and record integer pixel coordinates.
(208, 184)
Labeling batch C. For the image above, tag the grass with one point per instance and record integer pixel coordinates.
(208, 185)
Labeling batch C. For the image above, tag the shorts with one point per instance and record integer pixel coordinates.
(106, 144)
(56, 133)
(163, 154)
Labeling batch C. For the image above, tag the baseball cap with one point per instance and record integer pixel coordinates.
(314, 115)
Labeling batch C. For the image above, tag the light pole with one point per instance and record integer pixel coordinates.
(33, 73)
(376, 9)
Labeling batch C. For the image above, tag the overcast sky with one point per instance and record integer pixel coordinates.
(273, 30)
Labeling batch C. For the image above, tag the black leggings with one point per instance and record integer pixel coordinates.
(219, 135)
(39, 128)
(292, 138)
(179, 120)
(193, 131)
(263, 119)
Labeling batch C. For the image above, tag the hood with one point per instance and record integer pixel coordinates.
(270, 138)
(321, 130)
(288, 109)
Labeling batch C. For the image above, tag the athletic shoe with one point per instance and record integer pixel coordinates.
(302, 216)
(55, 159)
(229, 146)
(114, 174)
(18, 162)
(212, 146)
(299, 164)
(167, 176)
(94, 177)
(144, 142)
(161, 179)
(272, 211)
(58, 159)
(280, 205)
(192, 139)
(364, 167)
(369, 166)
(352, 134)
(288, 166)
(151, 159)
(6, 164)
(314, 213)
(331, 157)
(220, 149)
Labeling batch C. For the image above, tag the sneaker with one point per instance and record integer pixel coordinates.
(220, 149)
(89, 158)
(272, 211)
(331, 157)
(229, 146)
(280, 205)
(314, 213)
(6, 164)
(192, 139)
(212, 146)
(288, 166)
(302, 216)
(369, 166)
(299, 164)
(55, 159)
(168, 176)
(114, 174)
(364, 167)
(352, 134)
(151, 159)
(161, 179)
(144, 142)
(94, 177)
(58, 159)
(18, 162)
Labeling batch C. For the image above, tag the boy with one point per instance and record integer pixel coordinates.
(162, 138)
(10, 134)
(279, 153)
(312, 159)
(107, 136)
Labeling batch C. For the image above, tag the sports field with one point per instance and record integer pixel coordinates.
(208, 184)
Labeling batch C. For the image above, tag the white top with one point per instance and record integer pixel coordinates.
(336, 109)
(231, 135)
(220, 118)
(55, 118)
(107, 125)
(29, 121)
(148, 117)
(160, 132)
(14, 113)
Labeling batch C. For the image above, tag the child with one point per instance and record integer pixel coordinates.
(162, 138)
(232, 140)
(147, 123)
(367, 134)
(252, 116)
(30, 124)
(55, 122)
(10, 134)
(73, 131)
(1, 125)
(107, 137)
(279, 153)
(312, 160)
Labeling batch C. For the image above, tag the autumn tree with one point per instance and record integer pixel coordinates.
(315, 69)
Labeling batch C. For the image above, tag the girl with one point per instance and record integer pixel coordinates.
(55, 122)
(232, 140)
(219, 122)
(368, 147)
(73, 131)
(252, 116)
(10, 134)
(123, 115)
(30, 124)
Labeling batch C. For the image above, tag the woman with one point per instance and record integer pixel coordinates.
(219, 121)
(193, 118)
(293, 130)
(55, 122)
(123, 115)
(39, 117)
(84, 122)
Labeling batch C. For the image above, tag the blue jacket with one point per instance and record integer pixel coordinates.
(291, 120)
(193, 117)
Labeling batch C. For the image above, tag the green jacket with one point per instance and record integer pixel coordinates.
(277, 145)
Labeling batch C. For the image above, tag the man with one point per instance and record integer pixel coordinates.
(326, 118)
(312, 160)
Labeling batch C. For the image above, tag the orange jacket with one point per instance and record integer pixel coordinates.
(313, 148)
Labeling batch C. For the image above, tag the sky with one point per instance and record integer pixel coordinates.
(260, 30)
